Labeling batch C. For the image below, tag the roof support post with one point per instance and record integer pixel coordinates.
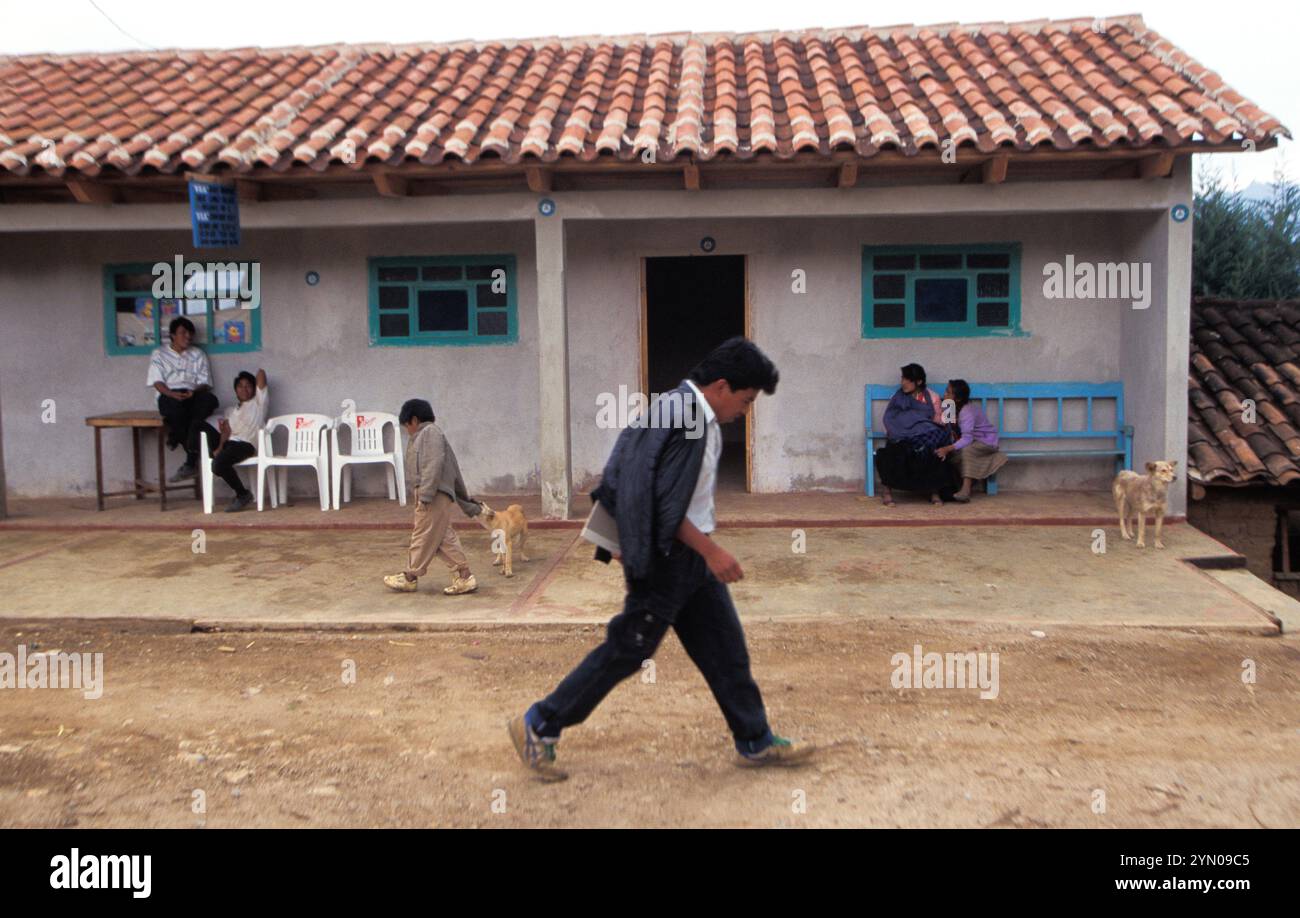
(553, 368)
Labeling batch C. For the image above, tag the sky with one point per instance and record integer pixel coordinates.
(1252, 48)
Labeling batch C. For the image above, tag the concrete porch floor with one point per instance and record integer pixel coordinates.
(827, 508)
(1030, 575)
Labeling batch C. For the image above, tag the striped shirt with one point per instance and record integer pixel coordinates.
(187, 370)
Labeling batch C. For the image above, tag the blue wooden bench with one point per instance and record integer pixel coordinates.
(1029, 393)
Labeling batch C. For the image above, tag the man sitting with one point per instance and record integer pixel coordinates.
(183, 377)
(237, 439)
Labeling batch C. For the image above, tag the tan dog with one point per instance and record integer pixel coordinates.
(1143, 494)
(513, 529)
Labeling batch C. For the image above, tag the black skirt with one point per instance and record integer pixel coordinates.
(907, 466)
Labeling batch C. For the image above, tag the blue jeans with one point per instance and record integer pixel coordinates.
(680, 593)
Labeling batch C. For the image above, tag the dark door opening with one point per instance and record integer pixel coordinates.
(692, 305)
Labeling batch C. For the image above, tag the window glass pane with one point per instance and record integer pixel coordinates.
(133, 330)
(941, 299)
(393, 298)
(994, 315)
(440, 272)
(397, 274)
(394, 325)
(988, 260)
(484, 272)
(231, 326)
(888, 286)
(895, 262)
(889, 315)
(493, 323)
(993, 285)
(943, 261)
(127, 303)
(200, 330)
(142, 281)
(443, 310)
(487, 298)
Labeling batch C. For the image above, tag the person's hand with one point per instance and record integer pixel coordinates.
(224, 426)
(723, 565)
(181, 396)
(618, 556)
(943, 451)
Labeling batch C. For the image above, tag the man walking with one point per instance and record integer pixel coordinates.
(658, 485)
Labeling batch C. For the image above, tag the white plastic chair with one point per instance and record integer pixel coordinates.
(307, 447)
(367, 429)
(207, 479)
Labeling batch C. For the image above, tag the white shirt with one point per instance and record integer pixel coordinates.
(248, 418)
(187, 370)
(700, 511)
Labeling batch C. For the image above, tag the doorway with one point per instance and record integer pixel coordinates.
(690, 305)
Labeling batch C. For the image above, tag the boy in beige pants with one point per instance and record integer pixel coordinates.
(434, 474)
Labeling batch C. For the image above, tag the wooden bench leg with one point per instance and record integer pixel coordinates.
(99, 472)
(137, 464)
(162, 469)
(991, 484)
(871, 469)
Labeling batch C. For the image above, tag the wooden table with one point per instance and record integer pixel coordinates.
(136, 421)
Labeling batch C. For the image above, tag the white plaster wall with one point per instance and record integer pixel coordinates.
(810, 434)
(315, 349)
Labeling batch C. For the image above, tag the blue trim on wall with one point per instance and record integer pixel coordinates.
(113, 349)
(967, 329)
(455, 338)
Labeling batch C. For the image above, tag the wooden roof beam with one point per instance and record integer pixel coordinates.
(539, 180)
(994, 170)
(88, 192)
(390, 185)
(1159, 166)
(848, 176)
(691, 175)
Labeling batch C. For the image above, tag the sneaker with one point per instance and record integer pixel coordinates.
(399, 583)
(459, 585)
(239, 502)
(182, 473)
(537, 755)
(781, 752)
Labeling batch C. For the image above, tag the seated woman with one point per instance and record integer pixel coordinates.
(975, 451)
(914, 427)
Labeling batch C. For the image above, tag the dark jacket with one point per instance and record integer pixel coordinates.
(648, 482)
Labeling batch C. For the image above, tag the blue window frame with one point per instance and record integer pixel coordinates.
(447, 299)
(135, 321)
(941, 291)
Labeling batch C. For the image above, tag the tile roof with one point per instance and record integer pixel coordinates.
(1244, 350)
(1064, 85)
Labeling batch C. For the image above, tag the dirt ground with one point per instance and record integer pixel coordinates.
(265, 727)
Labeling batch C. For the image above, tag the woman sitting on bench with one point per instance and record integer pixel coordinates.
(914, 426)
(975, 454)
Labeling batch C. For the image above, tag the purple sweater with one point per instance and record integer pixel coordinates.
(975, 425)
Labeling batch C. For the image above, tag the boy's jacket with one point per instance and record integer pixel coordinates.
(431, 467)
(648, 482)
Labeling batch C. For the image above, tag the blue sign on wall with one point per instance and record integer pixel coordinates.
(214, 215)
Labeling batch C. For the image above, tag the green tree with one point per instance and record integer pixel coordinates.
(1245, 249)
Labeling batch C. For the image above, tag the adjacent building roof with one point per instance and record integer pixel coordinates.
(1243, 350)
(1070, 85)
